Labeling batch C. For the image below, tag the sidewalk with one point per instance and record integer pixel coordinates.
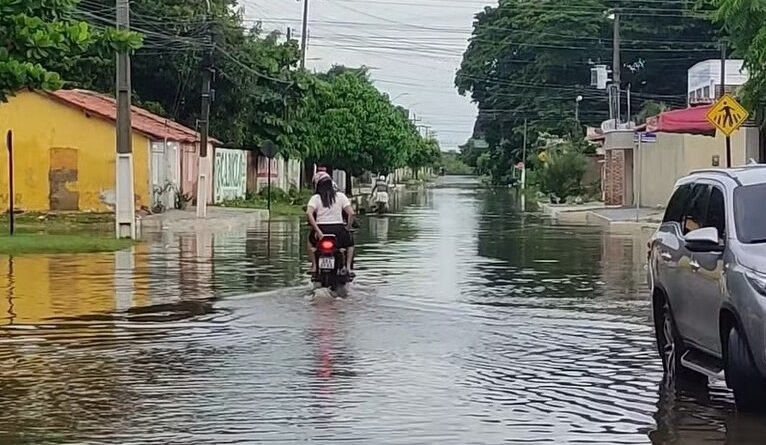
(217, 218)
(617, 219)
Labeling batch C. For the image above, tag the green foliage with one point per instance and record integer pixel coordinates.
(744, 22)
(530, 60)
(338, 118)
(40, 39)
(28, 244)
(562, 175)
(649, 109)
(484, 164)
(284, 203)
(453, 164)
(348, 123)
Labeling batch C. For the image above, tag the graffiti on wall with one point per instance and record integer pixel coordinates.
(230, 174)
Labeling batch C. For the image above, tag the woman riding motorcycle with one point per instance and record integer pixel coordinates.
(325, 215)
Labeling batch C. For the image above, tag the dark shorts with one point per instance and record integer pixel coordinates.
(342, 235)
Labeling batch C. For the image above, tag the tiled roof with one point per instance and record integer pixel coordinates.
(142, 121)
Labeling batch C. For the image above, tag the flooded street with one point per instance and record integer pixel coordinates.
(470, 323)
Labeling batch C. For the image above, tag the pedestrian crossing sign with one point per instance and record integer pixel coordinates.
(727, 114)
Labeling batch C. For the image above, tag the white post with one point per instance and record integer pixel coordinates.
(203, 185)
(637, 181)
(125, 212)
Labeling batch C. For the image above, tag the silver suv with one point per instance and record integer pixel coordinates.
(707, 275)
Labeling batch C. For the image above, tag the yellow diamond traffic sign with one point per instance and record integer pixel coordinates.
(727, 114)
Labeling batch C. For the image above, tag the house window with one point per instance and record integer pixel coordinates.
(706, 92)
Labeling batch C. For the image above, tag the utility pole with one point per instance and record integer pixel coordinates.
(722, 91)
(524, 159)
(125, 213)
(305, 33)
(616, 65)
(720, 95)
(203, 166)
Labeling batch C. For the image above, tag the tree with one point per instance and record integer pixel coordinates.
(745, 25)
(355, 127)
(255, 81)
(338, 118)
(39, 39)
(426, 153)
(529, 60)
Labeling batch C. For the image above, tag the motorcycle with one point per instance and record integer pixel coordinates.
(331, 262)
(379, 202)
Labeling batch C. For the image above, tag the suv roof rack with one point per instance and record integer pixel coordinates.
(719, 171)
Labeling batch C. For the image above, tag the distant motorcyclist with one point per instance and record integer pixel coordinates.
(379, 194)
(325, 215)
(381, 185)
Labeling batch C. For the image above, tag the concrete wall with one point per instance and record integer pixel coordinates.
(673, 156)
(230, 174)
(190, 169)
(658, 167)
(285, 173)
(64, 158)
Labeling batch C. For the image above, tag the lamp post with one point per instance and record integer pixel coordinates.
(578, 99)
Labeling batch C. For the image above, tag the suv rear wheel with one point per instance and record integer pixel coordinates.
(742, 376)
(671, 348)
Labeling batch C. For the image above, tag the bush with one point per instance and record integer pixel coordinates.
(291, 197)
(562, 175)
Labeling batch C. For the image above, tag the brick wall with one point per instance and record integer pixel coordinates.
(614, 187)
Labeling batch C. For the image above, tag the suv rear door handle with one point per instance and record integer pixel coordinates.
(666, 256)
(694, 265)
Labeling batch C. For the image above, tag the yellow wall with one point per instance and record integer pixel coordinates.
(674, 156)
(41, 124)
(36, 288)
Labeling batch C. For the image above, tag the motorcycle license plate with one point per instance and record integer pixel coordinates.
(327, 263)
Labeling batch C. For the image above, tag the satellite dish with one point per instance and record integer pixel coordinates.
(269, 149)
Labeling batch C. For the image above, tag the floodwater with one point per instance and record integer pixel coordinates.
(470, 323)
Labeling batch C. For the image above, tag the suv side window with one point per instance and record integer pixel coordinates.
(677, 204)
(696, 210)
(716, 212)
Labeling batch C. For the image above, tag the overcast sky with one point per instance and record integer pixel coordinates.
(412, 48)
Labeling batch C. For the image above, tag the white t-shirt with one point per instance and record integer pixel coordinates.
(332, 214)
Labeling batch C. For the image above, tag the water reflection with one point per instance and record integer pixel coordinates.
(471, 322)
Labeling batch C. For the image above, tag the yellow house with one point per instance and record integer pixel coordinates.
(64, 151)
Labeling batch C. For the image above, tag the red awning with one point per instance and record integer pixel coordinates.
(688, 121)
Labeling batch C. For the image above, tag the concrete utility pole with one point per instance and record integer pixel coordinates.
(616, 49)
(203, 167)
(524, 159)
(125, 212)
(304, 33)
(720, 95)
(616, 65)
(722, 91)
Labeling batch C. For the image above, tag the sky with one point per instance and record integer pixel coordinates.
(412, 49)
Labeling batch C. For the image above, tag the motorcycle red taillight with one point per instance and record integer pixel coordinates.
(327, 245)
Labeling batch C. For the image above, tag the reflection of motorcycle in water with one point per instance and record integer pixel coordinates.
(379, 228)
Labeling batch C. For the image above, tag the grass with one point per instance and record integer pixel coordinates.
(61, 223)
(54, 233)
(31, 243)
(277, 208)
(283, 203)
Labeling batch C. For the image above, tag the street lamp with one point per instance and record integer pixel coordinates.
(578, 99)
(400, 95)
